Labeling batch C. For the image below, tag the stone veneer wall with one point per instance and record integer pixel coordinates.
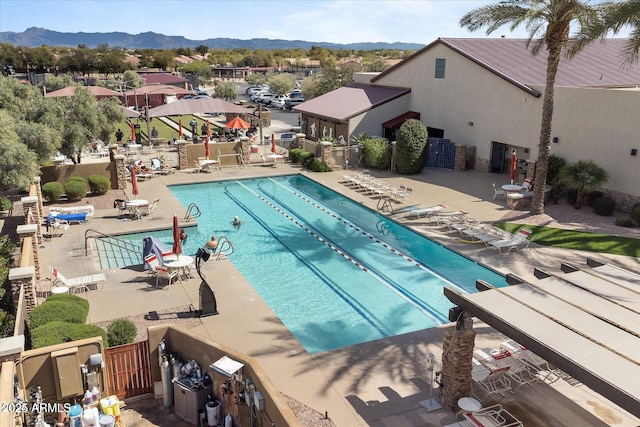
(460, 163)
(482, 165)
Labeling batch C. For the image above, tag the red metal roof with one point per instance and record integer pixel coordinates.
(162, 78)
(396, 122)
(348, 101)
(97, 91)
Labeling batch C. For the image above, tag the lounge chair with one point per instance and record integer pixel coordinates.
(492, 381)
(402, 193)
(545, 372)
(58, 226)
(520, 238)
(486, 235)
(158, 169)
(163, 272)
(82, 283)
(521, 372)
(425, 211)
(492, 416)
(72, 209)
(70, 217)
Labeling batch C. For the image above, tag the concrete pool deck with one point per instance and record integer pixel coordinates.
(378, 383)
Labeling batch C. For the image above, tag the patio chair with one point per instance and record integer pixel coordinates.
(491, 381)
(520, 238)
(58, 226)
(498, 192)
(152, 262)
(154, 208)
(81, 283)
(122, 207)
(157, 168)
(420, 212)
(494, 415)
(535, 362)
(523, 373)
(163, 272)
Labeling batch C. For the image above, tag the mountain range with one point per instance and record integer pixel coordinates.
(34, 37)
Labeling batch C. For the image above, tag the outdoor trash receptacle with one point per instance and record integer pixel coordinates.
(254, 148)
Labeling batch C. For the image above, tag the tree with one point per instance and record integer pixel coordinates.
(411, 147)
(225, 90)
(202, 49)
(613, 18)
(281, 83)
(551, 20)
(19, 164)
(584, 176)
(52, 82)
(82, 123)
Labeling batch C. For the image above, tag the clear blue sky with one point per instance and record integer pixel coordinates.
(334, 21)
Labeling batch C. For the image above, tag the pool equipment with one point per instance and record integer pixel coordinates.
(430, 404)
(208, 303)
(167, 385)
(213, 411)
(75, 416)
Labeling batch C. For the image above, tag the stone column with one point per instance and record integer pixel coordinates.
(457, 352)
(183, 160)
(30, 231)
(325, 153)
(121, 171)
(37, 182)
(113, 151)
(246, 150)
(460, 162)
(300, 137)
(23, 277)
(31, 202)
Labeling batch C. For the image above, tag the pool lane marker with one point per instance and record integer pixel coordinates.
(370, 236)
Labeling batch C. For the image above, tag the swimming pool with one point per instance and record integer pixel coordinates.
(335, 272)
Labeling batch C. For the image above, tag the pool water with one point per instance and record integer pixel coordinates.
(335, 272)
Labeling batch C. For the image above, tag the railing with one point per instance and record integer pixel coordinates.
(224, 249)
(129, 369)
(193, 212)
(119, 243)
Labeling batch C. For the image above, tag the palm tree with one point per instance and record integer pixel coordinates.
(551, 20)
(584, 176)
(615, 16)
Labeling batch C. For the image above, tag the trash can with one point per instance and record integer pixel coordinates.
(213, 412)
(254, 148)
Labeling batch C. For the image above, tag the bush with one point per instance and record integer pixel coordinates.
(75, 179)
(61, 332)
(572, 196)
(69, 310)
(317, 165)
(75, 189)
(624, 222)
(604, 206)
(553, 169)
(304, 156)
(99, 184)
(591, 196)
(5, 204)
(411, 147)
(294, 154)
(51, 191)
(121, 331)
(635, 213)
(376, 153)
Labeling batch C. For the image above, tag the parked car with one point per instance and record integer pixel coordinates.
(296, 93)
(290, 103)
(256, 95)
(253, 89)
(279, 103)
(264, 98)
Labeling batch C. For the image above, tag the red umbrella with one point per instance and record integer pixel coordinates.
(206, 141)
(177, 247)
(514, 165)
(134, 183)
(237, 123)
(180, 127)
(133, 131)
(273, 143)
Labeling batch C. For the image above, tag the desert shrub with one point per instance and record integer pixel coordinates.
(411, 147)
(75, 189)
(5, 204)
(99, 184)
(304, 156)
(572, 196)
(75, 178)
(553, 169)
(376, 152)
(635, 213)
(624, 222)
(61, 332)
(51, 191)
(592, 195)
(62, 309)
(318, 165)
(294, 154)
(604, 206)
(121, 331)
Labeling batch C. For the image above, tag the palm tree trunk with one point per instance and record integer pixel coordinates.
(555, 45)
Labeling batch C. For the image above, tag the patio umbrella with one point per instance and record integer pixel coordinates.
(134, 182)
(177, 247)
(514, 165)
(130, 114)
(273, 143)
(237, 123)
(206, 141)
(180, 127)
(133, 131)
(197, 106)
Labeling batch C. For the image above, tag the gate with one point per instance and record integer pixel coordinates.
(441, 154)
(129, 369)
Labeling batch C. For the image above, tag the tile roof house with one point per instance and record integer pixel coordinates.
(165, 79)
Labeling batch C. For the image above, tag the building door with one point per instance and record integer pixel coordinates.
(498, 151)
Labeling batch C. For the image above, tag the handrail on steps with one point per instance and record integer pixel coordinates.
(126, 245)
(193, 212)
(224, 248)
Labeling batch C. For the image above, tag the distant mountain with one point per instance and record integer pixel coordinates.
(34, 37)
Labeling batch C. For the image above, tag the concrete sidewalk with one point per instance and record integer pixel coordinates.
(378, 383)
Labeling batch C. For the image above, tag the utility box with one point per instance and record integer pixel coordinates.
(258, 400)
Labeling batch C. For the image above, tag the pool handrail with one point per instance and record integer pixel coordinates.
(125, 244)
(193, 212)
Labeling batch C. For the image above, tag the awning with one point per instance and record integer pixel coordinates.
(585, 322)
(396, 122)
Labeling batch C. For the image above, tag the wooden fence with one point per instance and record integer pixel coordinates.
(128, 369)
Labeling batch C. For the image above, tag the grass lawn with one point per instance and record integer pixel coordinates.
(571, 239)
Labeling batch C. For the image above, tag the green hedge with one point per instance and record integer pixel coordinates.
(5, 204)
(70, 308)
(317, 165)
(376, 153)
(60, 332)
(304, 156)
(51, 191)
(99, 184)
(294, 154)
(121, 331)
(75, 189)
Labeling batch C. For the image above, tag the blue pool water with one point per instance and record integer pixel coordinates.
(336, 273)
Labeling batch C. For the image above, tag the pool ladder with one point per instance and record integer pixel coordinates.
(224, 249)
(193, 212)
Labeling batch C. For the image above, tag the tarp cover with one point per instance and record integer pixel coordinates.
(151, 245)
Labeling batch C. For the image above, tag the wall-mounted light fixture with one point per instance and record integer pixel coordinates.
(470, 123)
(555, 139)
(634, 151)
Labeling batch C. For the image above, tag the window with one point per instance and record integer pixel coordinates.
(440, 63)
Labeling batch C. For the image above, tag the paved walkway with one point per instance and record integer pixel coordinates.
(373, 384)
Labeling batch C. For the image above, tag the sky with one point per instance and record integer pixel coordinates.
(332, 21)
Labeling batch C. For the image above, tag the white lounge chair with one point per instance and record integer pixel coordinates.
(492, 381)
(523, 373)
(520, 238)
(58, 227)
(425, 211)
(82, 283)
(492, 416)
(158, 169)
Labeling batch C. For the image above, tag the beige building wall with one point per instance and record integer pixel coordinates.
(371, 121)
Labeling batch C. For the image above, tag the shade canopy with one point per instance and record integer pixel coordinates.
(97, 91)
(197, 106)
(237, 123)
(131, 114)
